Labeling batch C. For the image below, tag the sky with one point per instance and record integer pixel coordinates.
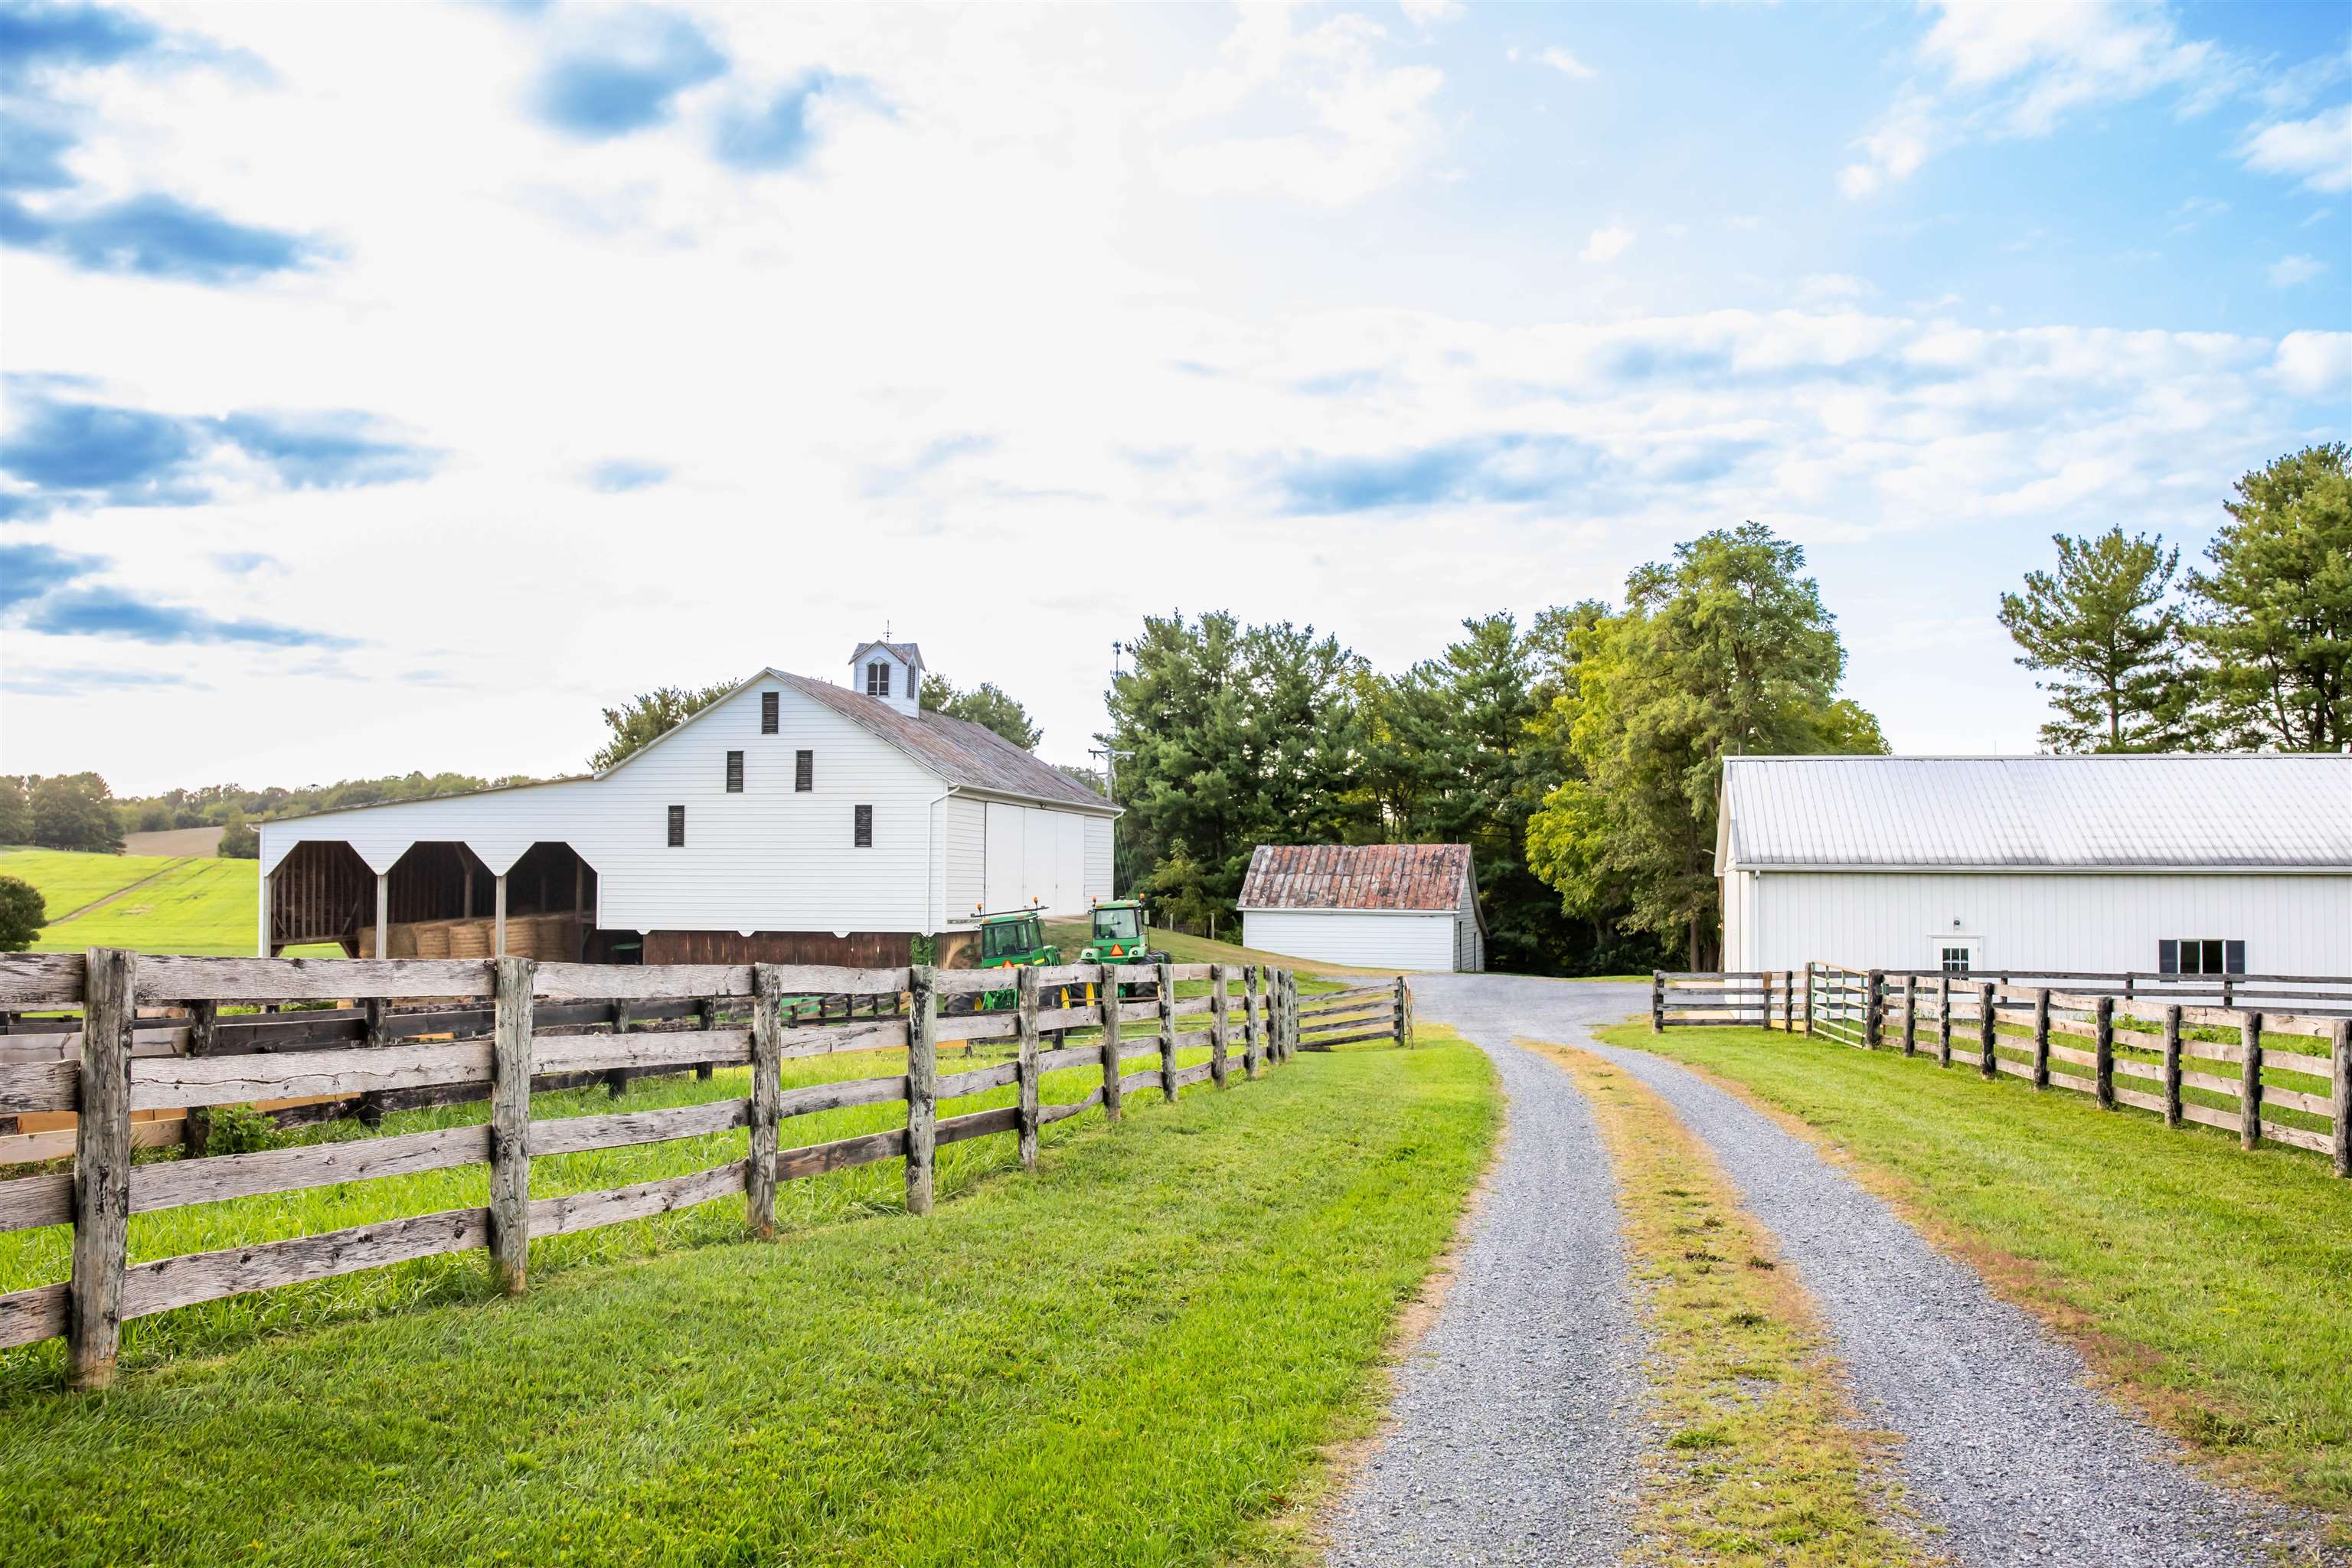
(394, 387)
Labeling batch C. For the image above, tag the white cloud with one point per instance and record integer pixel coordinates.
(2319, 150)
(1824, 287)
(1606, 243)
(1365, 125)
(1567, 64)
(1424, 13)
(2289, 270)
(1998, 68)
(2314, 364)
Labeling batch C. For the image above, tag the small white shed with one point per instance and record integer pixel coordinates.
(1379, 906)
(2208, 863)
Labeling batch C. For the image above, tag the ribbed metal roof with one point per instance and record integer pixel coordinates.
(958, 750)
(1355, 876)
(1995, 813)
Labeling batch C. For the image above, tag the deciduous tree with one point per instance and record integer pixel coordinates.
(986, 704)
(75, 811)
(649, 715)
(23, 913)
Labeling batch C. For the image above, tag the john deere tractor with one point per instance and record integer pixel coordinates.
(1120, 936)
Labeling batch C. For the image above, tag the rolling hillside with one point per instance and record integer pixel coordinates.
(155, 903)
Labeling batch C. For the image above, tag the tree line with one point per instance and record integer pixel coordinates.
(2252, 653)
(1576, 755)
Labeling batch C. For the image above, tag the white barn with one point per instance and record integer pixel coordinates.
(791, 821)
(1380, 906)
(2230, 863)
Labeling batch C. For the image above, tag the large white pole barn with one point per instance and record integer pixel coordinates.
(2180, 864)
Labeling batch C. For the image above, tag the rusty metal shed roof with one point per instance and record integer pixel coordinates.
(1418, 876)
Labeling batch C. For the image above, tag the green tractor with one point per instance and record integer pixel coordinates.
(1120, 936)
(1010, 938)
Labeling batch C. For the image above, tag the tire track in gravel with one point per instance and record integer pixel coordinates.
(1515, 1434)
(2007, 1446)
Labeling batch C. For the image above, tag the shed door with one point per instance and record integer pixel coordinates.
(1004, 856)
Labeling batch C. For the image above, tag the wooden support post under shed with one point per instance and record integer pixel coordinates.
(498, 921)
(510, 1124)
(1025, 993)
(1165, 985)
(101, 1176)
(2172, 1117)
(1110, 1088)
(2102, 1042)
(1988, 1064)
(269, 900)
(922, 1088)
(767, 1095)
(1219, 1024)
(2249, 1081)
(383, 914)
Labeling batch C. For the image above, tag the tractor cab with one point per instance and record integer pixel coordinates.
(1014, 939)
(1118, 934)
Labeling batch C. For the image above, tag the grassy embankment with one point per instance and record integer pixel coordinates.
(1132, 1356)
(1764, 1459)
(2213, 1287)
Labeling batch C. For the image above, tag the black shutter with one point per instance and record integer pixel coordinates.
(804, 772)
(2168, 956)
(677, 826)
(734, 773)
(865, 833)
(2235, 960)
(767, 713)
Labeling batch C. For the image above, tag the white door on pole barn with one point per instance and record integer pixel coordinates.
(1037, 855)
(1069, 894)
(1006, 862)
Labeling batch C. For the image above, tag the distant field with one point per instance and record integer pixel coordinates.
(155, 903)
(204, 841)
(69, 880)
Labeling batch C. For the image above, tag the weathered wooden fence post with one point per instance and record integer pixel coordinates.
(1400, 1012)
(922, 1086)
(510, 1124)
(1944, 1021)
(2102, 1043)
(1218, 1024)
(1989, 1065)
(102, 1177)
(2172, 1117)
(706, 1018)
(2340, 1051)
(1290, 1013)
(1657, 1001)
(617, 1079)
(1874, 1010)
(767, 1094)
(1910, 1014)
(1026, 993)
(1166, 986)
(2249, 1081)
(2042, 1037)
(371, 1107)
(1110, 1041)
(1249, 1020)
(1808, 999)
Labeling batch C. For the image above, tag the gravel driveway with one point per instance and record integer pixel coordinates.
(1517, 1423)
(1516, 1429)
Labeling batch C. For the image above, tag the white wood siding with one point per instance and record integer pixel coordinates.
(1375, 939)
(1469, 946)
(967, 857)
(1098, 857)
(2101, 922)
(766, 859)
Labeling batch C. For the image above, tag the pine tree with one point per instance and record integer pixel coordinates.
(2101, 630)
(2275, 616)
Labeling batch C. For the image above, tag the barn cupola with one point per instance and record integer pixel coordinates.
(889, 671)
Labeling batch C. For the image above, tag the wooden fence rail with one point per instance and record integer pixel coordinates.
(1377, 1011)
(107, 1078)
(2003, 1027)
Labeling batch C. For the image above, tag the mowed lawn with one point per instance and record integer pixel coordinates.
(2216, 1284)
(1131, 1356)
(68, 879)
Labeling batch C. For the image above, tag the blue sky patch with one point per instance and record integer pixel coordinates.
(596, 96)
(624, 474)
(29, 570)
(778, 136)
(157, 236)
(111, 613)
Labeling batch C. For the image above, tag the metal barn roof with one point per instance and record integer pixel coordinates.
(961, 752)
(1420, 877)
(2121, 813)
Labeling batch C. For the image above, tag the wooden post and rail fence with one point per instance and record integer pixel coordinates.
(2007, 1021)
(107, 1072)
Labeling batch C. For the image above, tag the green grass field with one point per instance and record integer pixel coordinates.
(2215, 1286)
(1132, 1356)
(165, 904)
